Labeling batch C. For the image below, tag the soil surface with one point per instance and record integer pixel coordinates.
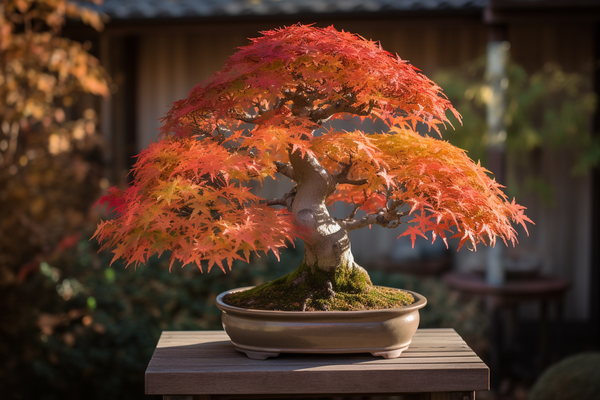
(345, 289)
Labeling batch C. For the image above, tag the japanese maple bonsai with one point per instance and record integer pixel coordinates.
(268, 113)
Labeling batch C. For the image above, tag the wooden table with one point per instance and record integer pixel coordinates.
(506, 297)
(204, 365)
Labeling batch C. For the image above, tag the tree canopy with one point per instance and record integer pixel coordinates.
(272, 101)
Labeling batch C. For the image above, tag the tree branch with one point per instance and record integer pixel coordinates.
(356, 182)
(254, 118)
(285, 169)
(353, 212)
(285, 201)
(342, 177)
(384, 218)
(323, 114)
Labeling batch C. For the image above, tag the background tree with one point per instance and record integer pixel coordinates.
(50, 168)
(46, 175)
(269, 112)
(547, 110)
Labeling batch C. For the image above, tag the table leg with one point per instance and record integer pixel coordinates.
(452, 396)
(495, 335)
(558, 331)
(543, 335)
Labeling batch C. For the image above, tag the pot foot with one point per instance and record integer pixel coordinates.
(257, 355)
(388, 354)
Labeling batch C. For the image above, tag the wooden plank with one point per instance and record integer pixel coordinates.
(307, 364)
(209, 334)
(437, 353)
(222, 337)
(205, 363)
(442, 332)
(193, 337)
(275, 381)
(230, 352)
(191, 366)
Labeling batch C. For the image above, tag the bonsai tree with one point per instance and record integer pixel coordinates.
(269, 113)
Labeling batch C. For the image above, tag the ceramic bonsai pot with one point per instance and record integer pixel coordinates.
(262, 334)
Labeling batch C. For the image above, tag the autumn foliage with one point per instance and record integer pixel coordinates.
(276, 99)
(49, 147)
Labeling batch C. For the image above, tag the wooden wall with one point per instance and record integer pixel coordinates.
(171, 63)
(562, 234)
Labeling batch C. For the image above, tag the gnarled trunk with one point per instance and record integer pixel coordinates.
(328, 245)
(328, 277)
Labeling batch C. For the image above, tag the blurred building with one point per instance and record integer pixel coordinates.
(156, 51)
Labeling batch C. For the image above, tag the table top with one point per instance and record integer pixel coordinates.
(535, 287)
(205, 363)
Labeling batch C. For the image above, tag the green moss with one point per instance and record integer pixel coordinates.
(344, 289)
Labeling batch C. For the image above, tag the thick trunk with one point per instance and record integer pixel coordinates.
(328, 245)
(328, 277)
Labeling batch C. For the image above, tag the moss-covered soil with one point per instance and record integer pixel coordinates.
(345, 289)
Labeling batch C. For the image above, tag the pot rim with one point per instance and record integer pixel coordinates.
(420, 302)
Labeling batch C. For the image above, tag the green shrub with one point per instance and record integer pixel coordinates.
(574, 378)
(79, 329)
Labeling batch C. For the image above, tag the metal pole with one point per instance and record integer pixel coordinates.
(498, 52)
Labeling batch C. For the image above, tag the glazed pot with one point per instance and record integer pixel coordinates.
(264, 333)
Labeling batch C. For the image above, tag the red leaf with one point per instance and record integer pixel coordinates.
(413, 231)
